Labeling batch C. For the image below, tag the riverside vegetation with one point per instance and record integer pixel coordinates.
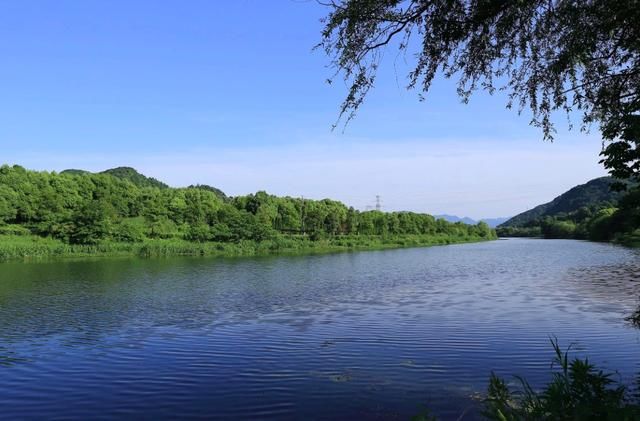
(596, 211)
(578, 391)
(122, 212)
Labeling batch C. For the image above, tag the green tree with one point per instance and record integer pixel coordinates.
(352, 221)
(573, 56)
(129, 230)
(199, 232)
(85, 208)
(8, 199)
(552, 228)
(92, 223)
(288, 217)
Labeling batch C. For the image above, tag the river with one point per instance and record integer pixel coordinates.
(365, 335)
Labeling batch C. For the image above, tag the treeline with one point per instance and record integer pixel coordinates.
(604, 221)
(84, 208)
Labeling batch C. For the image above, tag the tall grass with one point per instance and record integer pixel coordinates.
(578, 391)
(15, 247)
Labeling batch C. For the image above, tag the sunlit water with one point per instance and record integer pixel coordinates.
(370, 335)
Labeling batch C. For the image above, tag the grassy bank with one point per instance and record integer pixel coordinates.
(18, 247)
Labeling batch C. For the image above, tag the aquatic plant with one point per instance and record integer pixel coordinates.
(578, 391)
(634, 318)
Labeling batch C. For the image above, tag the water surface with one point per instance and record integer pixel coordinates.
(367, 335)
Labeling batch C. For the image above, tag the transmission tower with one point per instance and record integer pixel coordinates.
(378, 203)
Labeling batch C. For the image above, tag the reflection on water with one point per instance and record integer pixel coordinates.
(372, 335)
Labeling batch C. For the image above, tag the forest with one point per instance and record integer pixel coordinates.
(619, 224)
(122, 211)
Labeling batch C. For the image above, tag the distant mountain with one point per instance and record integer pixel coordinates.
(595, 193)
(492, 222)
(454, 218)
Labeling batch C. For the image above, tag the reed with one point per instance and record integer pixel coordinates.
(17, 247)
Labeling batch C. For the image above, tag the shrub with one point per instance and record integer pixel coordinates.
(129, 230)
(558, 229)
(600, 228)
(14, 230)
(198, 232)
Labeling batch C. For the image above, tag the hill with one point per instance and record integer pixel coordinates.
(212, 189)
(596, 193)
(124, 173)
(590, 211)
(140, 180)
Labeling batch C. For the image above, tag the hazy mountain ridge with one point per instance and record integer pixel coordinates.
(492, 222)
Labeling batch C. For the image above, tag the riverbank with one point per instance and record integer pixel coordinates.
(14, 247)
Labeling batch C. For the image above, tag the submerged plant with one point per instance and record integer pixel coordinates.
(634, 319)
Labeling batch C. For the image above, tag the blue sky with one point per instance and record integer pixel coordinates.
(231, 94)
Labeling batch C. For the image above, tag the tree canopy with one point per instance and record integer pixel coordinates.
(548, 55)
(79, 207)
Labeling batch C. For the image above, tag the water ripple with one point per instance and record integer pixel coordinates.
(375, 335)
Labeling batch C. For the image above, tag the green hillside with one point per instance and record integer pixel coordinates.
(128, 173)
(591, 211)
(596, 193)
